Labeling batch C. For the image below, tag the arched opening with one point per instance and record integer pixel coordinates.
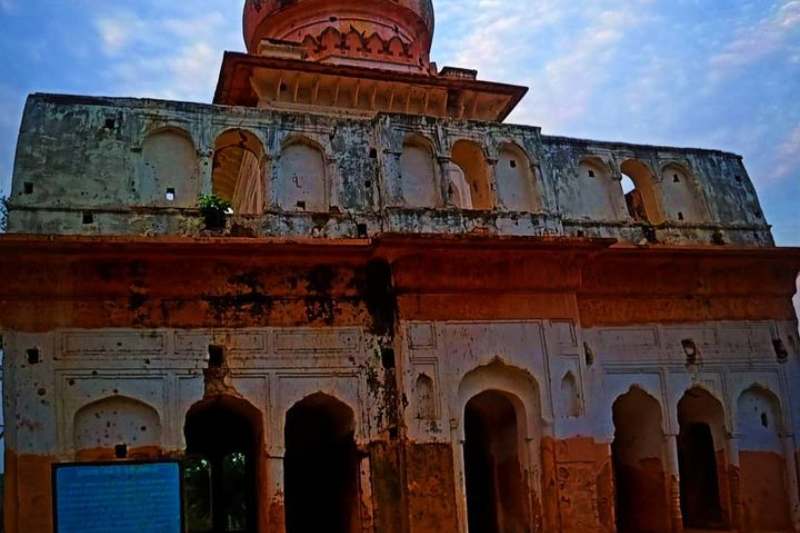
(637, 456)
(469, 157)
(301, 183)
(418, 173)
(681, 198)
(238, 171)
(223, 461)
(496, 492)
(321, 467)
(701, 460)
(764, 484)
(516, 183)
(641, 199)
(170, 169)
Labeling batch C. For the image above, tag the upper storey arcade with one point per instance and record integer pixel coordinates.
(136, 167)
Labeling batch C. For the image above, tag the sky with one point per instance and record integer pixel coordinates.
(719, 74)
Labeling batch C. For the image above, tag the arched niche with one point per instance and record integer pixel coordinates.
(642, 202)
(516, 181)
(593, 196)
(171, 171)
(681, 196)
(642, 501)
(469, 157)
(425, 397)
(763, 468)
(703, 462)
(570, 398)
(418, 177)
(238, 174)
(301, 183)
(321, 467)
(116, 421)
(224, 470)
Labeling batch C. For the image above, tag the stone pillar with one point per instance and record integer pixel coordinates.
(672, 473)
(791, 476)
(273, 504)
(734, 481)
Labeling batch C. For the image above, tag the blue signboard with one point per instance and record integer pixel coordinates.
(118, 498)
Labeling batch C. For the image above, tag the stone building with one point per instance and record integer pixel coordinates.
(416, 318)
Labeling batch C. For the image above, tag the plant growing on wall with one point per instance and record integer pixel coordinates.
(214, 209)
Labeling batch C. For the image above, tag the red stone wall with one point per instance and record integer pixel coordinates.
(764, 493)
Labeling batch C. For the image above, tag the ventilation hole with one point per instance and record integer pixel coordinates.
(368, 184)
(33, 356)
(362, 230)
(513, 163)
(332, 19)
(781, 353)
(373, 153)
(284, 87)
(387, 358)
(739, 179)
(88, 218)
(110, 124)
(591, 173)
(589, 354)
(675, 178)
(170, 196)
(764, 420)
(216, 356)
(121, 451)
(28, 188)
(680, 215)
(301, 205)
(393, 433)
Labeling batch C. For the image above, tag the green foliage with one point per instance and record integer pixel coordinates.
(212, 201)
(214, 210)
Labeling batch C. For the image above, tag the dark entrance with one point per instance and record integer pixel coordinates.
(220, 472)
(496, 496)
(321, 467)
(699, 482)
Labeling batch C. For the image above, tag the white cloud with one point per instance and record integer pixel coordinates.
(788, 156)
(756, 42)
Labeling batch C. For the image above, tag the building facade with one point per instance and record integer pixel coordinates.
(414, 317)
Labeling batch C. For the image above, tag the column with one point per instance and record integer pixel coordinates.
(734, 481)
(791, 470)
(273, 506)
(672, 471)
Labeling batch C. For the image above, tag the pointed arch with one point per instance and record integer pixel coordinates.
(116, 420)
(418, 176)
(517, 187)
(642, 202)
(238, 174)
(469, 156)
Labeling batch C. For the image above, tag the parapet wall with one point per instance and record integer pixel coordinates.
(121, 166)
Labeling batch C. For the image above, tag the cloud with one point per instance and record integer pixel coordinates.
(756, 42)
(788, 156)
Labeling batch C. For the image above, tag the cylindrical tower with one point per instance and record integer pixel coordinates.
(377, 30)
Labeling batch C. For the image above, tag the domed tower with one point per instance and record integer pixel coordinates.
(352, 57)
(388, 34)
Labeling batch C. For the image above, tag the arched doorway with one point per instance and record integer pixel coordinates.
(321, 467)
(238, 171)
(637, 454)
(496, 489)
(701, 459)
(223, 439)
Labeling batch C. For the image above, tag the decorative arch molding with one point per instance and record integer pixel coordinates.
(606, 413)
(116, 420)
(766, 391)
(644, 202)
(517, 384)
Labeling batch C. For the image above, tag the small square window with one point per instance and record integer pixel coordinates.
(301, 205)
(28, 188)
(591, 174)
(88, 218)
(675, 178)
(170, 195)
(513, 163)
